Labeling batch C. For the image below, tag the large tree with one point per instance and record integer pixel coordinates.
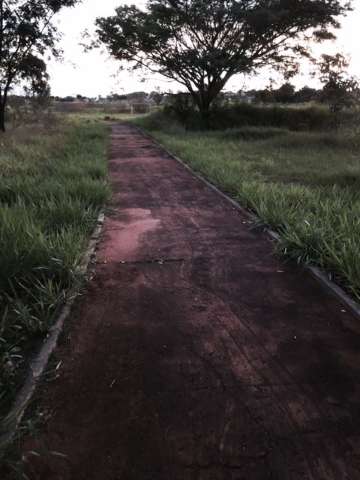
(26, 33)
(203, 43)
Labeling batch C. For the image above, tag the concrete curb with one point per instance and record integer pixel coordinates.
(322, 277)
(38, 365)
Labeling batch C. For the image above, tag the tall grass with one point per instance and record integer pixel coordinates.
(304, 185)
(52, 186)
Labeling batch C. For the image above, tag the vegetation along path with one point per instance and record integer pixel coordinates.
(195, 353)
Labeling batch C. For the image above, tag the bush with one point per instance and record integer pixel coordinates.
(301, 118)
(182, 111)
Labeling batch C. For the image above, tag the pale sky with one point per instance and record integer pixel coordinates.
(92, 74)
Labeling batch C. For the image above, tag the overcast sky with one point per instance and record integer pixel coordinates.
(92, 74)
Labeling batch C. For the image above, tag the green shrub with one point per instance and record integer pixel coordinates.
(301, 118)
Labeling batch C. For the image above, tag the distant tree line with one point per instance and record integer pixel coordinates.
(339, 90)
(155, 97)
(286, 93)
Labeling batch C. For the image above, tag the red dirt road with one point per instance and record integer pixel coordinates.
(196, 354)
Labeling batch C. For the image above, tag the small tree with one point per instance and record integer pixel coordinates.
(157, 96)
(340, 90)
(38, 93)
(306, 94)
(264, 96)
(26, 33)
(202, 44)
(285, 94)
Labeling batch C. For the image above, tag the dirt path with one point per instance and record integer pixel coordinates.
(195, 354)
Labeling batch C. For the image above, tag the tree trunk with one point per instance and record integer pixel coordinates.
(3, 103)
(204, 100)
(203, 104)
(205, 116)
(2, 116)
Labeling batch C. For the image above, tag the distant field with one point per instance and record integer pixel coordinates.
(304, 185)
(52, 186)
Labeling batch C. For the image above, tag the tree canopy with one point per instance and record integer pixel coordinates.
(26, 33)
(201, 44)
